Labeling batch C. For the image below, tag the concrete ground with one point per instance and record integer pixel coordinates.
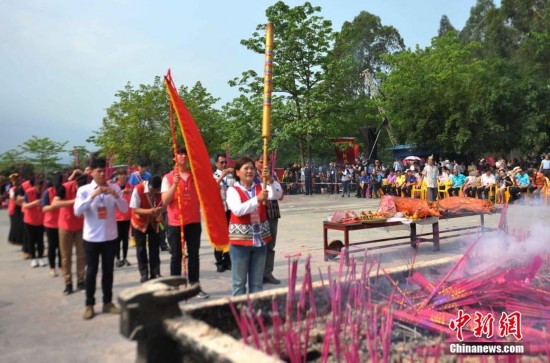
(39, 323)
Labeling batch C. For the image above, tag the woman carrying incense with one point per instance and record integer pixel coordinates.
(248, 226)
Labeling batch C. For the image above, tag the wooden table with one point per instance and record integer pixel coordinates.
(413, 236)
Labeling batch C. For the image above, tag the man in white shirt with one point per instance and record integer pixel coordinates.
(224, 177)
(487, 181)
(97, 202)
(431, 175)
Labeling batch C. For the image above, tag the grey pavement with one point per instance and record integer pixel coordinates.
(39, 323)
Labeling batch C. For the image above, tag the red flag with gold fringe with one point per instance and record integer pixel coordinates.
(207, 188)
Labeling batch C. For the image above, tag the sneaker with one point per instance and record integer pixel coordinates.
(143, 279)
(34, 262)
(68, 289)
(53, 272)
(125, 262)
(202, 295)
(81, 287)
(119, 263)
(88, 313)
(110, 308)
(42, 263)
(220, 268)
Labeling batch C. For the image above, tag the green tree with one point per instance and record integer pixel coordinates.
(445, 97)
(44, 152)
(10, 161)
(137, 125)
(445, 26)
(79, 155)
(352, 78)
(301, 42)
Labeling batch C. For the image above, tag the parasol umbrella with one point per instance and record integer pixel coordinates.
(412, 158)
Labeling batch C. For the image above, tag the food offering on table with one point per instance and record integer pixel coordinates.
(372, 217)
(459, 205)
(411, 208)
(349, 216)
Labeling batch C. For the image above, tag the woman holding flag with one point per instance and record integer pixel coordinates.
(248, 226)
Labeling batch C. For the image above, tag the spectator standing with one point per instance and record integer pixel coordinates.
(225, 179)
(347, 176)
(431, 176)
(97, 202)
(141, 174)
(332, 174)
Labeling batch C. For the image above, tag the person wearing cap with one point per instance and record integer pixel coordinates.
(431, 175)
(141, 174)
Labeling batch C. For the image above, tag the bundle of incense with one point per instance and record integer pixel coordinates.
(421, 281)
(444, 279)
(419, 321)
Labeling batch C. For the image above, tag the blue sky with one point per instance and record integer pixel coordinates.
(62, 61)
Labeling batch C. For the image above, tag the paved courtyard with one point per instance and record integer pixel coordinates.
(38, 323)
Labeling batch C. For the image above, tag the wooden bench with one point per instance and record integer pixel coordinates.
(334, 250)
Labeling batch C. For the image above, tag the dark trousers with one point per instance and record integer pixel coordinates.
(270, 252)
(53, 247)
(331, 184)
(471, 192)
(122, 240)
(309, 189)
(192, 234)
(432, 194)
(36, 240)
(152, 263)
(93, 251)
(222, 258)
(17, 228)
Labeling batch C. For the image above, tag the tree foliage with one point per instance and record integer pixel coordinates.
(43, 152)
(137, 126)
(302, 40)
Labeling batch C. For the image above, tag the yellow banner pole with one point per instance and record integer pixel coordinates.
(268, 76)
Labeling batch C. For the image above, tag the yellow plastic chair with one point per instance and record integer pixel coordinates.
(422, 191)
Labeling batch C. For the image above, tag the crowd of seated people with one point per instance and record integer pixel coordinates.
(500, 180)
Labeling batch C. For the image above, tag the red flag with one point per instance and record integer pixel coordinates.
(207, 188)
